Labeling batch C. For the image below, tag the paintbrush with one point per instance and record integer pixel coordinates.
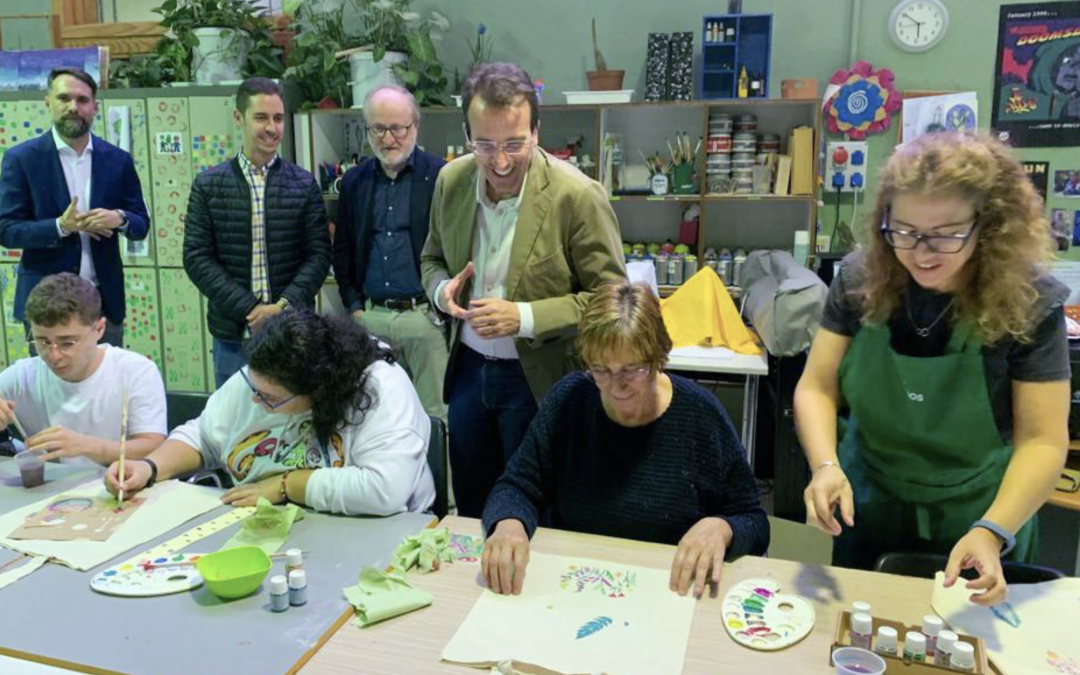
(670, 151)
(123, 437)
(19, 427)
(696, 148)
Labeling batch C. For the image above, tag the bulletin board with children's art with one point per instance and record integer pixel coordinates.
(142, 327)
(20, 121)
(169, 132)
(14, 333)
(218, 139)
(125, 127)
(182, 334)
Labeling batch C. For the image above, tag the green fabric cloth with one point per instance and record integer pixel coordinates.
(267, 528)
(380, 595)
(423, 549)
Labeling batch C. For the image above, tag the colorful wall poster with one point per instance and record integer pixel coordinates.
(1039, 173)
(1067, 183)
(1037, 76)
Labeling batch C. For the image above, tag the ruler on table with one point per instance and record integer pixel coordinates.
(182, 541)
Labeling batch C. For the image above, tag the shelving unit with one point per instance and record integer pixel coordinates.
(747, 221)
(722, 60)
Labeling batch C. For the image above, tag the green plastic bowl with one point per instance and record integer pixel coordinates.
(234, 572)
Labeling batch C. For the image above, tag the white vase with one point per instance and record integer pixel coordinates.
(367, 74)
(220, 55)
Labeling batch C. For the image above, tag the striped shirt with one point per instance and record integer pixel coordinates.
(260, 269)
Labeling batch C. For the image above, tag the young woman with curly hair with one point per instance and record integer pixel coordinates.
(322, 416)
(943, 350)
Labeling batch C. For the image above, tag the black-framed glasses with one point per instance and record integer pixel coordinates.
(263, 398)
(628, 375)
(938, 243)
(378, 131)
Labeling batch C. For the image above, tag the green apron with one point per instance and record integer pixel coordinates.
(921, 450)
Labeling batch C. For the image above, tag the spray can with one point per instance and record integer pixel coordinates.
(689, 266)
(661, 270)
(279, 594)
(675, 270)
(738, 262)
(724, 266)
(297, 588)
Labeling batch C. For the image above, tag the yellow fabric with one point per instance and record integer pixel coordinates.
(702, 314)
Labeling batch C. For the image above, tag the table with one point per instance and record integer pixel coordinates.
(412, 643)
(191, 632)
(751, 366)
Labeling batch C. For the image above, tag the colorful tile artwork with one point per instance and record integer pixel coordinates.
(211, 150)
(185, 367)
(142, 329)
(171, 179)
(14, 333)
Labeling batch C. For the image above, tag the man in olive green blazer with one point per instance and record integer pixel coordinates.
(518, 240)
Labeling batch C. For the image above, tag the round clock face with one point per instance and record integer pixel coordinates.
(918, 25)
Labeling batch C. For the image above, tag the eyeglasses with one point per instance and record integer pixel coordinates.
(43, 345)
(491, 148)
(938, 243)
(263, 398)
(377, 131)
(629, 375)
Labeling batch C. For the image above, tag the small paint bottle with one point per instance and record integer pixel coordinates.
(294, 560)
(297, 588)
(862, 630)
(860, 607)
(886, 641)
(962, 657)
(945, 641)
(279, 594)
(931, 627)
(914, 646)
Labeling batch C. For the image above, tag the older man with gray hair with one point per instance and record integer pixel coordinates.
(381, 227)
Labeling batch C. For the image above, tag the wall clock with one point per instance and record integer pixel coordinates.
(917, 25)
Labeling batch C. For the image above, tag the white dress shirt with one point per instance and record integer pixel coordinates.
(77, 176)
(495, 227)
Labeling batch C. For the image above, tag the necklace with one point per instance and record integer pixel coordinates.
(919, 330)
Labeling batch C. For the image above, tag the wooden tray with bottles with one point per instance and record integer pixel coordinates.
(895, 665)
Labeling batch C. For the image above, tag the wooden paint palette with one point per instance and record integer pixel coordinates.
(153, 576)
(757, 616)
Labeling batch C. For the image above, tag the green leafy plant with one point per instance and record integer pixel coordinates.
(172, 58)
(313, 65)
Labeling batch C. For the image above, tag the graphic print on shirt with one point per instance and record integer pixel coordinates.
(294, 454)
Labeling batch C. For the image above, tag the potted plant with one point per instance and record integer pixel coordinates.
(212, 41)
(602, 79)
(313, 65)
(481, 53)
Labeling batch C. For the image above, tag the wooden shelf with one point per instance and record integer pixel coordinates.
(666, 290)
(722, 102)
(654, 198)
(758, 198)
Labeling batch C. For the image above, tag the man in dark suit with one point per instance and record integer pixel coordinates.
(65, 195)
(382, 223)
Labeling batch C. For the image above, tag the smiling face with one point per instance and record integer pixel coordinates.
(72, 105)
(933, 215)
(263, 124)
(504, 172)
(628, 387)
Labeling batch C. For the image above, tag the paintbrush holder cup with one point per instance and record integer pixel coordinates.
(658, 183)
(682, 179)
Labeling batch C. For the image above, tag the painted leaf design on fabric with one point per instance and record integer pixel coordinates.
(599, 580)
(596, 625)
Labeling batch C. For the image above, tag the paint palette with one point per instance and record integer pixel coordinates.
(153, 576)
(757, 616)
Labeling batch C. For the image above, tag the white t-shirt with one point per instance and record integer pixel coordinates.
(93, 406)
(377, 467)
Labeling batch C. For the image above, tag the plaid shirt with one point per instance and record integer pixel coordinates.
(260, 270)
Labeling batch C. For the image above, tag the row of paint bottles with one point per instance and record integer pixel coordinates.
(290, 588)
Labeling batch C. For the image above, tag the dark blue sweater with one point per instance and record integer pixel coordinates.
(650, 483)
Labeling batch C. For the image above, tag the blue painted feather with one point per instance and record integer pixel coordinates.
(597, 624)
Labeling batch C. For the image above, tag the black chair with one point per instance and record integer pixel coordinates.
(925, 565)
(437, 461)
(182, 406)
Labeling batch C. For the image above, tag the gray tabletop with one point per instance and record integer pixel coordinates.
(53, 613)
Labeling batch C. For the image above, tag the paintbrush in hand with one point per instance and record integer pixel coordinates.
(123, 438)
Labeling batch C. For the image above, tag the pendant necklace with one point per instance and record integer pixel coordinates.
(919, 330)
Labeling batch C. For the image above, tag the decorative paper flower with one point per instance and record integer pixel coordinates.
(864, 103)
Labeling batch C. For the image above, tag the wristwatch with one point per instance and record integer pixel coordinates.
(123, 218)
(153, 472)
(1008, 537)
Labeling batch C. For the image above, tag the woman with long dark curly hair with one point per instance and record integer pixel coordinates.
(944, 337)
(321, 416)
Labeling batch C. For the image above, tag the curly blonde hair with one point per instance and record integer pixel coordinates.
(1012, 240)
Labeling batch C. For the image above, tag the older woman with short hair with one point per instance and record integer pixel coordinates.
(627, 450)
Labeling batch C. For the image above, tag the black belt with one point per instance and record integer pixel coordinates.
(401, 304)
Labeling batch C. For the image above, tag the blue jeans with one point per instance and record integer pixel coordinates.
(228, 358)
(491, 407)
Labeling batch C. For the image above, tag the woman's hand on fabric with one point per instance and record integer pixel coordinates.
(506, 554)
(979, 549)
(248, 494)
(700, 556)
(828, 488)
